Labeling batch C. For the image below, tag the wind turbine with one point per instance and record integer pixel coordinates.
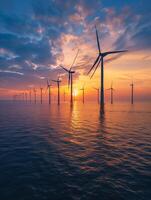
(23, 96)
(70, 77)
(41, 92)
(100, 59)
(64, 95)
(58, 81)
(83, 90)
(26, 97)
(49, 89)
(111, 89)
(97, 89)
(132, 92)
(30, 95)
(35, 96)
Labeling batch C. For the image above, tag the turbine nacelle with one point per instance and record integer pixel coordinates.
(57, 81)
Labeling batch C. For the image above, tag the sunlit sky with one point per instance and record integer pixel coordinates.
(36, 36)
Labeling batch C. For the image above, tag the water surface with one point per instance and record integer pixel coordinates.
(50, 152)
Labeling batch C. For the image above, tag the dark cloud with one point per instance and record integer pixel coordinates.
(137, 34)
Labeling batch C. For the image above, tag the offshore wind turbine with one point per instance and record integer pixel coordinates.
(70, 77)
(23, 96)
(100, 59)
(64, 95)
(41, 95)
(111, 89)
(26, 98)
(132, 92)
(58, 81)
(35, 95)
(83, 93)
(49, 89)
(97, 89)
(30, 95)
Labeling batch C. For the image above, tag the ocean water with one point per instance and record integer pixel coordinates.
(60, 153)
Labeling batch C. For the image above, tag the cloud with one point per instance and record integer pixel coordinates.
(37, 36)
(11, 72)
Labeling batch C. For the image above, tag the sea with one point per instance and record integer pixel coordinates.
(51, 152)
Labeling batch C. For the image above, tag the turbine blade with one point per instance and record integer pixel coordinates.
(94, 64)
(54, 80)
(113, 52)
(64, 68)
(74, 59)
(97, 37)
(96, 68)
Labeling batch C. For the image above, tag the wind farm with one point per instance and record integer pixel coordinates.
(75, 100)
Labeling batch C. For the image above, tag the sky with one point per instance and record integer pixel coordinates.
(37, 36)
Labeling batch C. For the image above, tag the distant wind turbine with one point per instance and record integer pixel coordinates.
(111, 89)
(49, 89)
(64, 95)
(30, 95)
(23, 96)
(35, 95)
(97, 89)
(70, 77)
(132, 92)
(100, 59)
(41, 93)
(58, 81)
(26, 97)
(83, 93)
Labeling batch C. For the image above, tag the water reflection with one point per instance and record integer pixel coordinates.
(91, 154)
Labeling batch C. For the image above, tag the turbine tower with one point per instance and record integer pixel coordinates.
(26, 97)
(49, 89)
(70, 77)
(41, 93)
(58, 81)
(23, 96)
(35, 95)
(97, 89)
(132, 92)
(100, 59)
(64, 95)
(111, 89)
(30, 95)
(83, 93)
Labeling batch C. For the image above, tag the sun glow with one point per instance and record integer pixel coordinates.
(75, 93)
